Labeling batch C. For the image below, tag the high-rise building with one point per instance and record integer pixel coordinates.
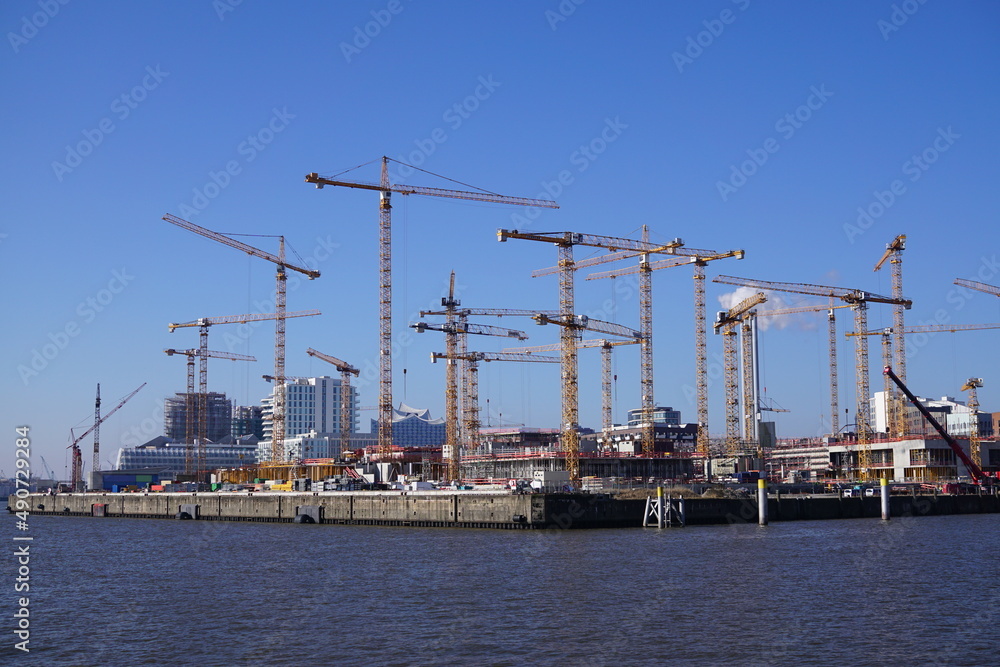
(312, 406)
(219, 413)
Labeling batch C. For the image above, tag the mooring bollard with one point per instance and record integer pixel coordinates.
(661, 515)
(885, 498)
(762, 502)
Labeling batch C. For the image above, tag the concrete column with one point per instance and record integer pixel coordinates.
(885, 498)
(762, 502)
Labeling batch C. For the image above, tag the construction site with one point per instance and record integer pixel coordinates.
(895, 435)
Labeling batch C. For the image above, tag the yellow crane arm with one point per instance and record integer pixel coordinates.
(240, 319)
(981, 287)
(341, 366)
(238, 245)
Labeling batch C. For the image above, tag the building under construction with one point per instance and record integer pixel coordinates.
(219, 416)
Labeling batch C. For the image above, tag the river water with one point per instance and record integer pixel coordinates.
(854, 592)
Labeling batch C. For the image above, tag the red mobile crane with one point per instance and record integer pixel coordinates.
(977, 473)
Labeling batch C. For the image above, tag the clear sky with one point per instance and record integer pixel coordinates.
(809, 134)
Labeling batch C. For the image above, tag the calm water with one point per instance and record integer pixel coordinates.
(128, 592)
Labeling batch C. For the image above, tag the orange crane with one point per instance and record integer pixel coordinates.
(278, 414)
(832, 351)
(472, 391)
(572, 325)
(453, 329)
(346, 415)
(75, 445)
(190, 465)
(385, 190)
(894, 254)
(606, 346)
(859, 300)
(203, 324)
(725, 323)
(698, 258)
(971, 385)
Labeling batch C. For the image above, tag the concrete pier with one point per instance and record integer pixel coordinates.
(484, 510)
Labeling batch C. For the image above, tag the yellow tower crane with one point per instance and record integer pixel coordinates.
(203, 325)
(190, 464)
(572, 325)
(725, 324)
(859, 300)
(970, 386)
(385, 190)
(900, 417)
(894, 253)
(461, 315)
(346, 414)
(699, 259)
(451, 452)
(472, 394)
(278, 414)
(606, 346)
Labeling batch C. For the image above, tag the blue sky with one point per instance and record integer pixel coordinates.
(731, 125)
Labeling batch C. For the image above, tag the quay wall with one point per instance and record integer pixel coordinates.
(479, 510)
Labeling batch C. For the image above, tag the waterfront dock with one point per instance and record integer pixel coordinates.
(482, 510)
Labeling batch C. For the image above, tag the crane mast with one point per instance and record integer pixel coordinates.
(725, 324)
(607, 346)
(385, 190)
(75, 445)
(455, 330)
(699, 258)
(894, 253)
(191, 464)
(97, 430)
(971, 385)
(278, 411)
(346, 414)
(859, 300)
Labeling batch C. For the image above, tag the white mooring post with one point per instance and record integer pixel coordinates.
(762, 502)
(885, 498)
